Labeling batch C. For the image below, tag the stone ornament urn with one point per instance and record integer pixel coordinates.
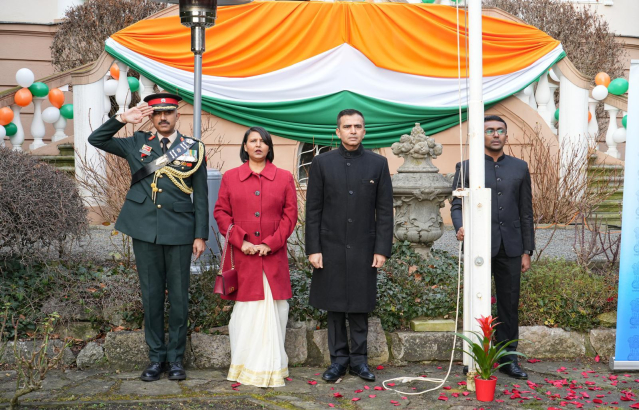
(419, 191)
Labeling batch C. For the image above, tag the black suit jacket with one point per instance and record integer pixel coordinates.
(512, 213)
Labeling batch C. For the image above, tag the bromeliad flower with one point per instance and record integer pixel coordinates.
(487, 325)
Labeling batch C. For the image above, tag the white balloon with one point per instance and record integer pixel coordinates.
(110, 87)
(600, 92)
(3, 132)
(620, 135)
(51, 115)
(25, 77)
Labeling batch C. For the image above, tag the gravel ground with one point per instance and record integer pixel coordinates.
(100, 244)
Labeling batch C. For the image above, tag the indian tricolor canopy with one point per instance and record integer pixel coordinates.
(292, 66)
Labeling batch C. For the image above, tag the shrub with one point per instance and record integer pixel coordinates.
(558, 293)
(410, 286)
(39, 206)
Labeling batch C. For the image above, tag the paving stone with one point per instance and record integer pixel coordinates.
(79, 375)
(603, 341)
(295, 345)
(54, 383)
(91, 355)
(211, 351)
(27, 348)
(193, 383)
(129, 351)
(208, 374)
(317, 344)
(137, 388)
(287, 398)
(91, 388)
(542, 342)
(127, 375)
(423, 346)
(7, 386)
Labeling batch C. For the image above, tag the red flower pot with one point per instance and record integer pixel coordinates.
(485, 389)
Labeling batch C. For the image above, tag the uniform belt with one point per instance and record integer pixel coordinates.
(175, 151)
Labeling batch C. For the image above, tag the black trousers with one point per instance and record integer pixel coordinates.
(162, 268)
(338, 338)
(507, 274)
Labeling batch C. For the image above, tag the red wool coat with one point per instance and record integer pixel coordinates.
(263, 209)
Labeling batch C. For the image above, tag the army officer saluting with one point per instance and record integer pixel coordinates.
(166, 226)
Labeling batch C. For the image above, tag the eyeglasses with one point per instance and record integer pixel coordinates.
(490, 132)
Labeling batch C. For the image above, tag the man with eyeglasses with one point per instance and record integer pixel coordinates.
(512, 233)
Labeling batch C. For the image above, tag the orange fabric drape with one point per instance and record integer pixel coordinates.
(262, 37)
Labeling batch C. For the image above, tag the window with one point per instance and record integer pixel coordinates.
(305, 156)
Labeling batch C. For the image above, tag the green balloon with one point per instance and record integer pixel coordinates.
(618, 86)
(624, 121)
(428, 1)
(134, 84)
(39, 89)
(557, 114)
(67, 111)
(11, 129)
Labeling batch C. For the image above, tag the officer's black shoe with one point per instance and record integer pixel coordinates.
(513, 370)
(334, 372)
(153, 372)
(176, 371)
(362, 371)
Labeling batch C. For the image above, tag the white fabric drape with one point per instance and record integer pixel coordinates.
(323, 75)
(257, 331)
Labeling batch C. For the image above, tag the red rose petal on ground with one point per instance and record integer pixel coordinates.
(439, 368)
(634, 406)
(446, 387)
(359, 391)
(455, 394)
(355, 399)
(442, 398)
(404, 398)
(533, 360)
(598, 401)
(317, 374)
(236, 384)
(597, 358)
(394, 401)
(380, 367)
(289, 379)
(367, 388)
(372, 396)
(337, 395)
(465, 393)
(331, 405)
(499, 401)
(391, 384)
(378, 388)
(312, 382)
(461, 383)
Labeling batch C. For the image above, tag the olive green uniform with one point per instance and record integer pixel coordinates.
(163, 222)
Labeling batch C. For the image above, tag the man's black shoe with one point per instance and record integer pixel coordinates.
(334, 372)
(153, 372)
(362, 371)
(513, 370)
(176, 371)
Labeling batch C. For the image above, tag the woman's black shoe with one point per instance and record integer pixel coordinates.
(334, 372)
(176, 371)
(362, 371)
(153, 372)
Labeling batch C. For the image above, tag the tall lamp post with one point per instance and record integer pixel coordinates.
(198, 15)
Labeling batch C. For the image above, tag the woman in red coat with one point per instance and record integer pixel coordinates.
(259, 202)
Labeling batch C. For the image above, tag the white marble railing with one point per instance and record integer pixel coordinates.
(577, 104)
(99, 102)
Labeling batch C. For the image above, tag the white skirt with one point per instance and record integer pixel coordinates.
(257, 331)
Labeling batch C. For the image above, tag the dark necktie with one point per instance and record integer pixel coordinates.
(165, 145)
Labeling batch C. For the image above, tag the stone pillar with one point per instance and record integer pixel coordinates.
(419, 191)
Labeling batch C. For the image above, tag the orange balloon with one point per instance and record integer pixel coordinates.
(602, 79)
(23, 97)
(589, 116)
(56, 97)
(6, 115)
(115, 71)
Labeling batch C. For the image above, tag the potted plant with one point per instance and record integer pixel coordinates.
(487, 357)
